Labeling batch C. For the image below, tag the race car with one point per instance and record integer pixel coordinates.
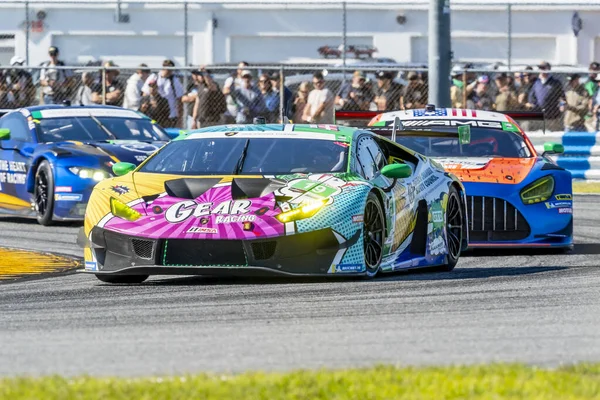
(52, 156)
(515, 196)
(274, 199)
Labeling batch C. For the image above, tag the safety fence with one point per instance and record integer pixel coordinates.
(185, 98)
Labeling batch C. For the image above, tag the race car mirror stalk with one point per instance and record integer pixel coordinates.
(553, 148)
(395, 171)
(123, 168)
(4, 134)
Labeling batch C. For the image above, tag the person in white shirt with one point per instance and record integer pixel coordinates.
(171, 89)
(230, 85)
(84, 92)
(320, 105)
(133, 91)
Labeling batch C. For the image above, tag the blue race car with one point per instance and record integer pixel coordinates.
(516, 198)
(52, 156)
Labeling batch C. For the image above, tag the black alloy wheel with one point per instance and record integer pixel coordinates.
(454, 228)
(373, 234)
(44, 193)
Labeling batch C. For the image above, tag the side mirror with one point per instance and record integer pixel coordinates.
(396, 171)
(122, 168)
(553, 148)
(4, 134)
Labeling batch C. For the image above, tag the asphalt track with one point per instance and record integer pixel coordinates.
(520, 306)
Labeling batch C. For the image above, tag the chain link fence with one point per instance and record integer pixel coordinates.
(187, 98)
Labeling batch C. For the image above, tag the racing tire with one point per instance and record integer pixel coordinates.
(43, 194)
(373, 235)
(122, 278)
(454, 229)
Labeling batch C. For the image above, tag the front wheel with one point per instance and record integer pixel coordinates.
(454, 229)
(122, 278)
(373, 234)
(44, 193)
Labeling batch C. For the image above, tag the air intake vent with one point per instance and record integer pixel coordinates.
(143, 248)
(263, 250)
(492, 219)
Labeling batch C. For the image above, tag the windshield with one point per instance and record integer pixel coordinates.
(484, 143)
(88, 129)
(267, 156)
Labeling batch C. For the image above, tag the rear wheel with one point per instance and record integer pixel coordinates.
(373, 234)
(44, 193)
(454, 229)
(122, 278)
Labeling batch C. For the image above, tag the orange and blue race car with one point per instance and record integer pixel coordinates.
(515, 196)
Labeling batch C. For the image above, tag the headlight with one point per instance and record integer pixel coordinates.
(90, 173)
(122, 210)
(306, 210)
(538, 191)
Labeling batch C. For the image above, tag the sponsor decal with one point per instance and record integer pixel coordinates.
(342, 144)
(452, 122)
(437, 216)
(358, 218)
(558, 204)
(91, 266)
(66, 112)
(13, 172)
(475, 163)
(66, 189)
(140, 158)
(228, 219)
(230, 133)
(120, 189)
(564, 197)
(181, 211)
(248, 226)
(68, 197)
(157, 209)
(348, 268)
(566, 210)
(202, 229)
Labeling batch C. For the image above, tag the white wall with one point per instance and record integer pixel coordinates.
(274, 33)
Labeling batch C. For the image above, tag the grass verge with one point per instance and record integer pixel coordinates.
(586, 187)
(496, 381)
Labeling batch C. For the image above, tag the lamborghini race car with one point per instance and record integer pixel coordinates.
(274, 199)
(515, 197)
(52, 156)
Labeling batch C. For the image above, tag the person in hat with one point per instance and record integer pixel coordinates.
(56, 82)
(152, 103)
(320, 106)
(388, 93)
(20, 83)
(415, 94)
(463, 85)
(249, 100)
(546, 94)
(210, 104)
(355, 95)
(133, 88)
(576, 105)
(506, 99)
(108, 90)
(287, 94)
(481, 98)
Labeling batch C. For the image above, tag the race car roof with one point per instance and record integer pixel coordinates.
(290, 131)
(58, 111)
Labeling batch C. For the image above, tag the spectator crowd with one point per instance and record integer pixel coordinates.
(570, 102)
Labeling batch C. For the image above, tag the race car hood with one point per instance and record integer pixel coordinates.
(131, 151)
(484, 169)
(223, 207)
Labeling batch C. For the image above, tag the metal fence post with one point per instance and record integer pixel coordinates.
(344, 42)
(103, 85)
(464, 90)
(439, 52)
(281, 95)
(27, 28)
(509, 10)
(184, 117)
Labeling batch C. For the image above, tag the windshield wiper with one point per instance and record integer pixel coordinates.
(240, 163)
(105, 129)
